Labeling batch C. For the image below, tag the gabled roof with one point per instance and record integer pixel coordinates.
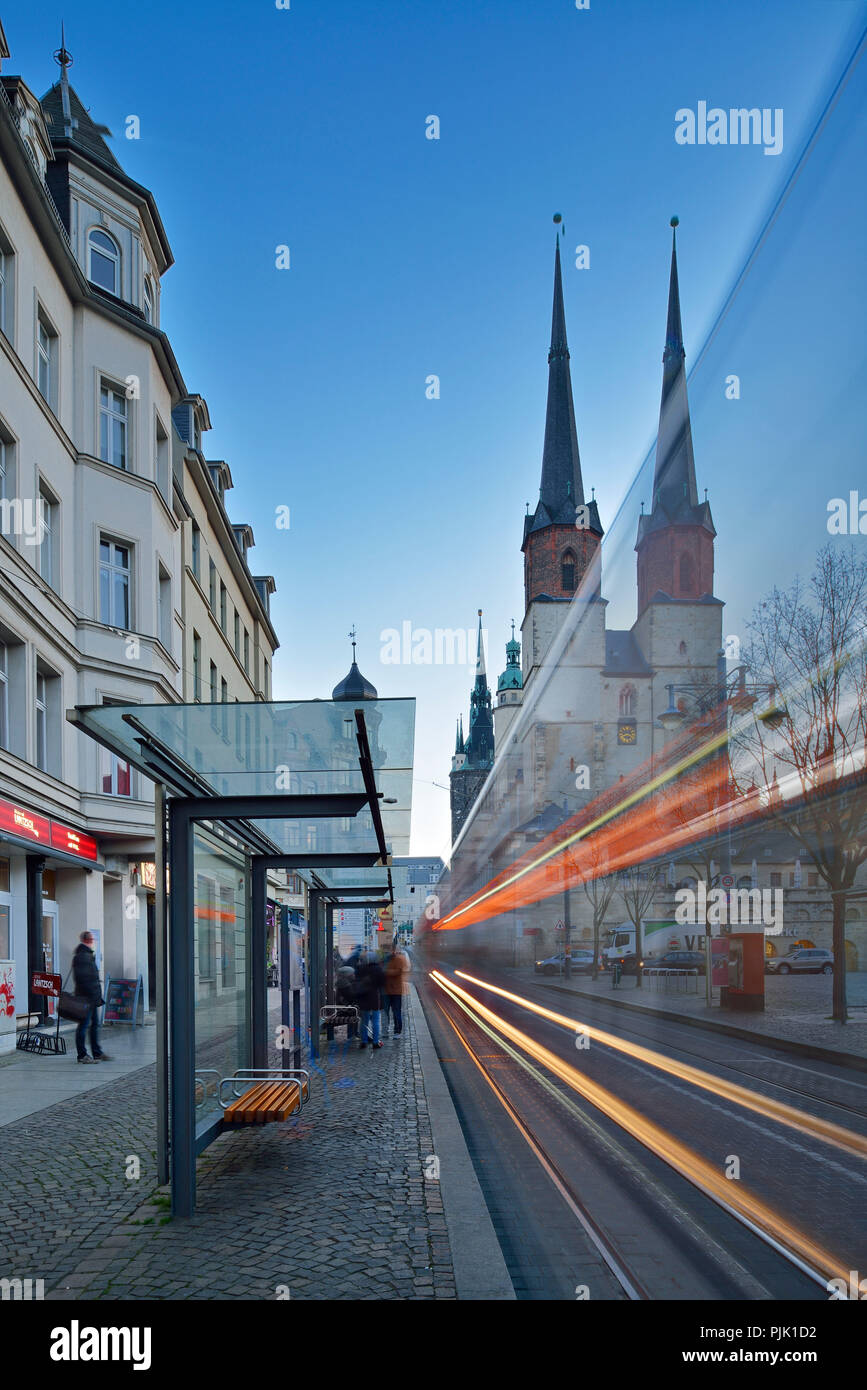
(623, 656)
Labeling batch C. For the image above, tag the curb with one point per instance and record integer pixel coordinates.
(480, 1269)
(820, 1054)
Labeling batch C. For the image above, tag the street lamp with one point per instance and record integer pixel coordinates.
(732, 689)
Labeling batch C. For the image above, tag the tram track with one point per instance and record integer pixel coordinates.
(786, 1272)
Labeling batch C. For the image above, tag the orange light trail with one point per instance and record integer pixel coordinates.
(697, 1170)
(727, 1090)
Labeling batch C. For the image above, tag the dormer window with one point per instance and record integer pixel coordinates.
(148, 300)
(103, 260)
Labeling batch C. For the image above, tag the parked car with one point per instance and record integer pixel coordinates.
(812, 961)
(581, 963)
(678, 960)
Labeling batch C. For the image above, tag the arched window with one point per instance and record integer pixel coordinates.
(567, 571)
(683, 649)
(627, 702)
(687, 574)
(148, 299)
(103, 260)
(745, 881)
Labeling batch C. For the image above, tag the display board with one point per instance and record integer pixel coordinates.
(123, 1000)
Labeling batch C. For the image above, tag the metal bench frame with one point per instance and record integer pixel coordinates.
(256, 1074)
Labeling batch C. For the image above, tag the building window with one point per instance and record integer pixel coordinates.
(164, 601)
(212, 585)
(222, 606)
(115, 776)
(112, 424)
(103, 261)
(7, 288)
(7, 477)
(161, 461)
(114, 572)
(41, 721)
(46, 360)
(627, 702)
(148, 299)
(4, 695)
(197, 552)
(237, 634)
(246, 651)
(224, 692)
(48, 537)
(776, 880)
(197, 667)
(567, 572)
(213, 684)
(266, 685)
(687, 574)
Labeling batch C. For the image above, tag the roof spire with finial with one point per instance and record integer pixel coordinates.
(64, 59)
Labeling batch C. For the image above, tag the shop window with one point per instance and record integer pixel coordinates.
(4, 879)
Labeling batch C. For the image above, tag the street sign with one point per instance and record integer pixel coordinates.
(40, 983)
(728, 881)
(559, 927)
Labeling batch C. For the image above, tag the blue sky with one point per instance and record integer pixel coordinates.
(412, 257)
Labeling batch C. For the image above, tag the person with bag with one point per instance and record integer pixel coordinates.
(396, 970)
(88, 989)
(369, 980)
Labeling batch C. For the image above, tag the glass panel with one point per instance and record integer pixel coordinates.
(48, 955)
(222, 998)
(121, 601)
(102, 271)
(4, 876)
(5, 934)
(124, 779)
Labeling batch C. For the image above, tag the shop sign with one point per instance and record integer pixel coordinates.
(29, 825)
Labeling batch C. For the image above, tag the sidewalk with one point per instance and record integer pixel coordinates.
(334, 1204)
(796, 1013)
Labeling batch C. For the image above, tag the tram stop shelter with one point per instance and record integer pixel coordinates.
(320, 787)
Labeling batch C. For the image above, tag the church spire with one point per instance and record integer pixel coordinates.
(480, 653)
(561, 489)
(674, 489)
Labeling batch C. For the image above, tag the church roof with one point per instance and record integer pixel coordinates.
(623, 656)
(561, 489)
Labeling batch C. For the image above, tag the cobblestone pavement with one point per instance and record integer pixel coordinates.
(333, 1204)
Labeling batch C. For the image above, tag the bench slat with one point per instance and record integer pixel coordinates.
(265, 1102)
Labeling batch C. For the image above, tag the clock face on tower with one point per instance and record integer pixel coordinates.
(626, 731)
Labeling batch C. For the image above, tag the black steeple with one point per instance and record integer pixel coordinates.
(561, 490)
(479, 745)
(354, 685)
(675, 496)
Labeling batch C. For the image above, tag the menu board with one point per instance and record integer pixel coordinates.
(122, 1000)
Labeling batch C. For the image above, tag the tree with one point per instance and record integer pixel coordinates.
(636, 887)
(809, 642)
(599, 891)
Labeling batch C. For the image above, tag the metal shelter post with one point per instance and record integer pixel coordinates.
(329, 962)
(181, 995)
(258, 954)
(314, 933)
(162, 986)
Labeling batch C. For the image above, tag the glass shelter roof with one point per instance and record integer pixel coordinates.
(295, 748)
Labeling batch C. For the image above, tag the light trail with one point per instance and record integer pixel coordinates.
(728, 1090)
(766, 1223)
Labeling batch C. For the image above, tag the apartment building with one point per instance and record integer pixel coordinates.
(122, 579)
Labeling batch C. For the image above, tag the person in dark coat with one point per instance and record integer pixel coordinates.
(88, 987)
(369, 983)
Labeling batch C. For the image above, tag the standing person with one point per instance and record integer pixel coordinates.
(369, 981)
(87, 986)
(397, 968)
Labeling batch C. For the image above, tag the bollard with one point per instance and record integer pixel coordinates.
(615, 974)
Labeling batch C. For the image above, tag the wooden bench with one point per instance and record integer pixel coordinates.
(263, 1095)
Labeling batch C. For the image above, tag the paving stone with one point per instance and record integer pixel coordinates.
(275, 1205)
